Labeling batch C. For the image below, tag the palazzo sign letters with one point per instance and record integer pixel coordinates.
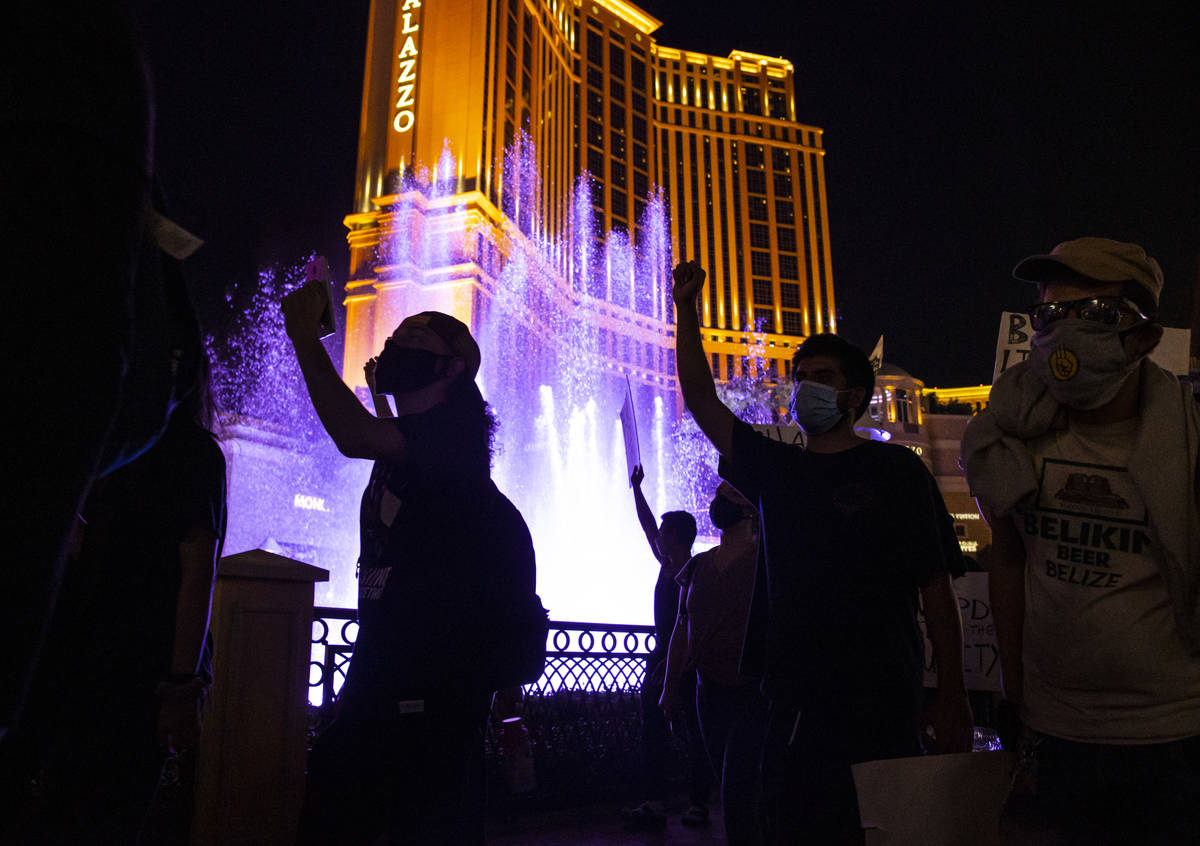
(406, 82)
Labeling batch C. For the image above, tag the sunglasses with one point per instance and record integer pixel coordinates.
(1106, 310)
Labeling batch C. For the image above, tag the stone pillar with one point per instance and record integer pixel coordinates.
(250, 765)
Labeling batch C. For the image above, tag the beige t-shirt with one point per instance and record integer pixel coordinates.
(1103, 659)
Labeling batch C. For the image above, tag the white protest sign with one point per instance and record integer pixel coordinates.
(981, 656)
(633, 451)
(941, 799)
(1012, 345)
(781, 432)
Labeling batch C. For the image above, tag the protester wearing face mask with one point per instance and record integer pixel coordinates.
(446, 566)
(1085, 465)
(853, 531)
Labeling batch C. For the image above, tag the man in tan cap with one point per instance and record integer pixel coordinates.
(1086, 464)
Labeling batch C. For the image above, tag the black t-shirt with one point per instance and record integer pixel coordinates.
(444, 558)
(114, 625)
(666, 609)
(848, 538)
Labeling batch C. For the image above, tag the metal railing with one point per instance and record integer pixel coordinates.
(583, 715)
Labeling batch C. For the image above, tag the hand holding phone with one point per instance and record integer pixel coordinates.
(317, 270)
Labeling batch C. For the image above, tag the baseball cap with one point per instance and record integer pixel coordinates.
(1101, 259)
(456, 335)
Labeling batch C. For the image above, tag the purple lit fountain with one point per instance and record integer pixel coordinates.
(561, 323)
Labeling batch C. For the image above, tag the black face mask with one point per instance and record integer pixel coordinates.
(401, 370)
(725, 513)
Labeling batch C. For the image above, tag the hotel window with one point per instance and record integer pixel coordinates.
(783, 185)
(617, 144)
(637, 70)
(781, 161)
(793, 323)
(730, 367)
(618, 175)
(510, 100)
(616, 90)
(756, 182)
(595, 133)
(510, 64)
(639, 103)
(754, 156)
(595, 48)
(788, 269)
(595, 77)
(760, 262)
(789, 295)
(784, 213)
(703, 101)
(764, 320)
(639, 128)
(616, 61)
(902, 410)
(616, 115)
(640, 157)
(762, 292)
(751, 100)
(760, 236)
(716, 366)
(786, 236)
(662, 87)
(595, 163)
(620, 201)
(777, 105)
(641, 185)
(595, 105)
(756, 208)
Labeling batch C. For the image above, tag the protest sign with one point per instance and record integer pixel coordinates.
(1012, 345)
(981, 656)
(633, 452)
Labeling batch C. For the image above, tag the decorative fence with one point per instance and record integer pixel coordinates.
(583, 715)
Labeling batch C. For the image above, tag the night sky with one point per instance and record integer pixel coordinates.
(960, 138)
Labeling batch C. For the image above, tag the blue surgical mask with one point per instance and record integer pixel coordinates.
(814, 407)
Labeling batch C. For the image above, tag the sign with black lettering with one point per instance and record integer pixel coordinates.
(981, 656)
(1012, 345)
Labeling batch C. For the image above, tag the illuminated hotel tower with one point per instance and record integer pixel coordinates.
(743, 181)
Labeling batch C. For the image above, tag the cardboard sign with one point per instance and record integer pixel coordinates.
(938, 799)
(1012, 345)
(633, 452)
(981, 656)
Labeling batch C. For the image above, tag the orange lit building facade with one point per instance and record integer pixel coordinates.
(742, 180)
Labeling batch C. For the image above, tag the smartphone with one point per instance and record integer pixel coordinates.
(317, 270)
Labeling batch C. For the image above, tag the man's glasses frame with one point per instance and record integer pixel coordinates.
(1105, 310)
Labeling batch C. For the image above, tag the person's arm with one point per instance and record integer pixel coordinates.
(645, 515)
(951, 717)
(677, 657)
(1006, 590)
(382, 409)
(354, 430)
(695, 378)
(182, 694)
